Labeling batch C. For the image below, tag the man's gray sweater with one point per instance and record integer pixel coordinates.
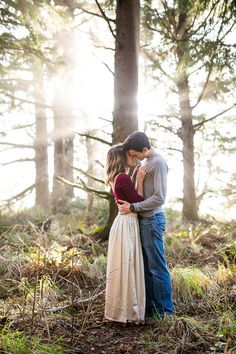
(154, 186)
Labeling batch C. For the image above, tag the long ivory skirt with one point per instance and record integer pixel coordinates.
(125, 287)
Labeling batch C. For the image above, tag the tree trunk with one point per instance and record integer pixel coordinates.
(104, 234)
(69, 160)
(90, 181)
(41, 141)
(58, 189)
(125, 114)
(64, 119)
(189, 212)
(68, 83)
(125, 118)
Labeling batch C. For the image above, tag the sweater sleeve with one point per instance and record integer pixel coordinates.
(125, 189)
(160, 183)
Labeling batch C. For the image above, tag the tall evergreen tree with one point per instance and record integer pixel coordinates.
(23, 56)
(125, 115)
(196, 62)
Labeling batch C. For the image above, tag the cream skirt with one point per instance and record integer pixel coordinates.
(125, 288)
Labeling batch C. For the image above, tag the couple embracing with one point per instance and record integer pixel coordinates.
(138, 281)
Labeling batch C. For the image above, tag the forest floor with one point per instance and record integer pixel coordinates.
(52, 287)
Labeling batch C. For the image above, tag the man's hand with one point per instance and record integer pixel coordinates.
(124, 207)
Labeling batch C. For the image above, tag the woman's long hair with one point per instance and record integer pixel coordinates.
(116, 162)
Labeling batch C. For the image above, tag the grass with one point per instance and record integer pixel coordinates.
(15, 342)
(189, 283)
(62, 271)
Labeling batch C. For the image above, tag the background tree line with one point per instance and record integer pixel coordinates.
(184, 47)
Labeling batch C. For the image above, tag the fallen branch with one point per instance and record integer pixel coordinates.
(76, 302)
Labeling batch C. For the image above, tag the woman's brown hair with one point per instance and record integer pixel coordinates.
(116, 162)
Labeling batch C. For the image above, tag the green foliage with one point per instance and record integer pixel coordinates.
(110, 4)
(150, 341)
(73, 262)
(173, 217)
(15, 342)
(226, 333)
(176, 248)
(4, 222)
(224, 273)
(228, 323)
(189, 283)
(228, 256)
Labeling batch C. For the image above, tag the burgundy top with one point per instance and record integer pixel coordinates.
(124, 189)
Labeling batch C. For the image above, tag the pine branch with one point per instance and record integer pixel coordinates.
(170, 129)
(21, 194)
(204, 22)
(206, 81)
(99, 163)
(15, 161)
(101, 194)
(88, 175)
(23, 126)
(94, 13)
(107, 48)
(106, 120)
(40, 104)
(173, 149)
(21, 146)
(157, 65)
(107, 20)
(106, 65)
(214, 55)
(94, 138)
(164, 26)
(200, 124)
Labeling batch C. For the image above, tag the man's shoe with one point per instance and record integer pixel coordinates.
(150, 322)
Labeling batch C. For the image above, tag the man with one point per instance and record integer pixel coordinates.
(152, 225)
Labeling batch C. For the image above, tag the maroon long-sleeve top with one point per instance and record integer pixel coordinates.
(124, 189)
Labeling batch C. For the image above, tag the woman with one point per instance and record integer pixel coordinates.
(125, 288)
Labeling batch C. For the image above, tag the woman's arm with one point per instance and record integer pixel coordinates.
(125, 189)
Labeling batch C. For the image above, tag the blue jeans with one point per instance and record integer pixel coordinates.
(157, 276)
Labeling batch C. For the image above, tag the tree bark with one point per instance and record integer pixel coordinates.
(90, 181)
(58, 188)
(104, 234)
(189, 211)
(41, 141)
(125, 114)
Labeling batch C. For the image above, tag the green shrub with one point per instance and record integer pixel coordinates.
(15, 342)
(189, 283)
